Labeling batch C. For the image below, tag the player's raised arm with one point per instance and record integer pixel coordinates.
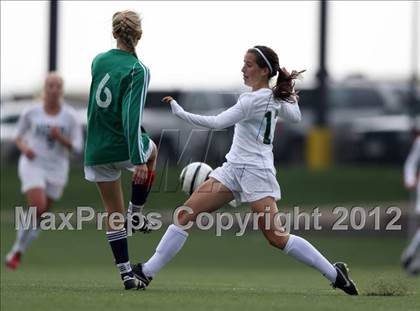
(223, 120)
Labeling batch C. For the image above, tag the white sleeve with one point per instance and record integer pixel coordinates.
(23, 124)
(223, 120)
(411, 165)
(290, 111)
(76, 134)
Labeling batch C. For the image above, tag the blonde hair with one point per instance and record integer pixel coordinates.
(52, 75)
(126, 27)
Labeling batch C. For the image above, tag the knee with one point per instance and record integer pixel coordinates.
(278, 240)
(37, 199)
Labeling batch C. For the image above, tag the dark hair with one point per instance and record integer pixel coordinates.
(285, 85)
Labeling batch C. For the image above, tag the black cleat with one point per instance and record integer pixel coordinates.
(140, 276)
(343, 280)
(130, 282)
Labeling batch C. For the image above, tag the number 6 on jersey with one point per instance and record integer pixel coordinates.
(108, 94)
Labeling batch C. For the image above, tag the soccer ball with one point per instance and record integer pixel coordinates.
(193, 175)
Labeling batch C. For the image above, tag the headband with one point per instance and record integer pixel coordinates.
(265, 59)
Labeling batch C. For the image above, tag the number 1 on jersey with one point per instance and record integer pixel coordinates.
(268, 135)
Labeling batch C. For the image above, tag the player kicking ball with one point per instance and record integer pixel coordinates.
(115, 138)
(248, 175)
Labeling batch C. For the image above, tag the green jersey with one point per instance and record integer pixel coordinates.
(116, 102)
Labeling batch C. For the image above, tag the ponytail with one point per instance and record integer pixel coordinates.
(285, 85)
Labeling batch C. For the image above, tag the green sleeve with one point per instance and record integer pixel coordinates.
(132, 111)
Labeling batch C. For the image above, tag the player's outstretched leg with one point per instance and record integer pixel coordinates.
(297, 247)
(170, 244)
(209, 197)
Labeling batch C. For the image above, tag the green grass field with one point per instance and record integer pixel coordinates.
(74, 270)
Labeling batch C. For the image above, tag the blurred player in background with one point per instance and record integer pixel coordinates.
(249, 174)
(115, 139)
(410, 258)
(46, 134)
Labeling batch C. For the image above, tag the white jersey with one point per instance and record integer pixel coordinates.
(34, 126)
(254, 116)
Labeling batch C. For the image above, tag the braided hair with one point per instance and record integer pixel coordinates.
(126, 26)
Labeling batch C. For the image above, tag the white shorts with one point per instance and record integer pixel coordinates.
(34, 176)
(248, 184)
(112, 171)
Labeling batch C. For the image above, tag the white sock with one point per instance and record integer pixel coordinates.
(124, 267)
(31, 235)
(24, 238)
(170, 244)
(303, 251)
(20, 236)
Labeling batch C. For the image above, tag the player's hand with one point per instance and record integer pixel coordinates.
(29, 153)
(55, 133)
(167, 99)
(140, 174)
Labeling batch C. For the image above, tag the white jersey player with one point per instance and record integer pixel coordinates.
(248, 175)
(411, 255)
(254, 116)
(46, 134)
(51, 155)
